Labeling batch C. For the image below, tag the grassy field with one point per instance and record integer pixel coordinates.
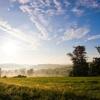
(50, 88)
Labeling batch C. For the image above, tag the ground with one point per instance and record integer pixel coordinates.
(50, 88)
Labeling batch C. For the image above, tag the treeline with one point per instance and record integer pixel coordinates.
(17, 72)
(61, 70)
(80, 65)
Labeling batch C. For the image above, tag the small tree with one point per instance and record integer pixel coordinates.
(30, 72)
(78, 57)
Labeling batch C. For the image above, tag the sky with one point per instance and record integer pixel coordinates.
(44, 31)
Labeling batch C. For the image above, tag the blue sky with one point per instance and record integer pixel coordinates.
(43, 31)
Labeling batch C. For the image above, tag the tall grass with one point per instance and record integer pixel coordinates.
(50, 88)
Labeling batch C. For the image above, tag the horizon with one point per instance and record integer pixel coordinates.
(44, 31)
(13, 67)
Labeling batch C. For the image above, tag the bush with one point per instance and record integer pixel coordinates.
(4, 76)
(20, 76)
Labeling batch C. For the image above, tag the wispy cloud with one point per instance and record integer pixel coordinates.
(94, 37)
(21, 1)
(37, 19)
(39, 11)
(26, 9)
(78, 11)
(75, 32)
(89, 3)
(4, 26)
(58, 6)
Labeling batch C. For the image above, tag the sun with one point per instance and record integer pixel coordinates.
(10, 48)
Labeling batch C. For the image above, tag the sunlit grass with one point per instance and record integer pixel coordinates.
(79, 86)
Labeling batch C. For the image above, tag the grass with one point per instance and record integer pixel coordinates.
(50, 88)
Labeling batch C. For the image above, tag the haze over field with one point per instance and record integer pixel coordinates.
(43, 31)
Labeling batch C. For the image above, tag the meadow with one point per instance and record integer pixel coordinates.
(50, 88)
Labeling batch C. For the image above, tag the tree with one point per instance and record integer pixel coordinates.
(23, 71)
(0, 72)
(80, 65)
(95, 67)
(30, 72)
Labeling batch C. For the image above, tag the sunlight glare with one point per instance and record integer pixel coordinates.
(10, 48)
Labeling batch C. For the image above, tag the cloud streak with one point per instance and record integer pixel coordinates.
(75, 33)
(94, 37)
(89, 3)
(37, 19)
(4, 26)
(21, 1)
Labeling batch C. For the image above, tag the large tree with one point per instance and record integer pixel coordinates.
(80, 65)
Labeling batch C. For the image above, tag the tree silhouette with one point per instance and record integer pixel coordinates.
(0, 72)
(78, 57)
(95, 67)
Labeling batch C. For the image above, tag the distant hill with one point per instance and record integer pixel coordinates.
(13, 66)
(39, 70)
(35, 67)
(50, 66)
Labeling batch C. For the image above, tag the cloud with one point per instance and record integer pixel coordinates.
(4, 26)
(58, 6)
(72, 33)
(77, 11)
(89, 3)
(94, 37)
(37, 19)
(26, 9)
(41, 11)
(75, 32)
(42, 30)
(21, 1)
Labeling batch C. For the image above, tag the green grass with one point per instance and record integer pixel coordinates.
(50, 88)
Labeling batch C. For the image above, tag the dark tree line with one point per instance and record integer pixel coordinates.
(80, 65)
(95, 67)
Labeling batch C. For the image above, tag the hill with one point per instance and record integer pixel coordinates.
(39, 70)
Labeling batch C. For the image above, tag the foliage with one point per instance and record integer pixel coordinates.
(63, 70)
(95, 67)
(20, 76)
(80, 65)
